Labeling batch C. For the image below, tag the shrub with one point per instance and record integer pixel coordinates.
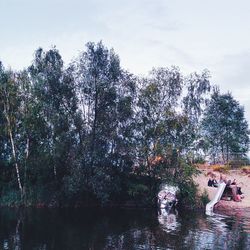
(199, 160)
(11, 198)
(140, 193)
(188, 194)
(136, 190)
(245, 169)
(204, 198)
(237, 163)
(221, 168)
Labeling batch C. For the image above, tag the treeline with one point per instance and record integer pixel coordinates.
(93, 133)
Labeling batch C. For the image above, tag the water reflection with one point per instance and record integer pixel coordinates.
(168, 220)
(11, 232)
(43, 229)
(222, 231)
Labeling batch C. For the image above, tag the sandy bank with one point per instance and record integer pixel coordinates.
(242, 179)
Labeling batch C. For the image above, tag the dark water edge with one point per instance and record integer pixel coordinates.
(121, 229)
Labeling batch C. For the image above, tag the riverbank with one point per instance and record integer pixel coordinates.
(242, 180)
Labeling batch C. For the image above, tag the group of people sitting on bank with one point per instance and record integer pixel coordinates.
(232, 189)
(212, 182)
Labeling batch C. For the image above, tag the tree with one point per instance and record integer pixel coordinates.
(193, 104)
(169, 110)
(53, 119)
(104, 92)
(156, 109)
(82, 132)
(225, 128)
(9, 105)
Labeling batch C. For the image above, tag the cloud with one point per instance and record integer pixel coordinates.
(234, 70)
(231, 73)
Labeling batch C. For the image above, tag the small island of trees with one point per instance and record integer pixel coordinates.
(91, 133)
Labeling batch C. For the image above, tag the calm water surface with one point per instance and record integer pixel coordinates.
(121, 229)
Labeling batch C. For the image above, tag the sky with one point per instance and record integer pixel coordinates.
(191, 34)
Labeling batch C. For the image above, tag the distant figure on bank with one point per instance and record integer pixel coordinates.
(212, 182)
(231, 186)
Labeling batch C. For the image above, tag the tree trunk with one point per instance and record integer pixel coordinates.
(25, 169)
(94, 127)
(54, 170)
(227, 153)
(223, 154)
(6, 105)
(14, 156)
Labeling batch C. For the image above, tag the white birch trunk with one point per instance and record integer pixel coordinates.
(13, 152)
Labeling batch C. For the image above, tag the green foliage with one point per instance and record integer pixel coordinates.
(221, 168)
(11, 198)
(92, 132)
(137, 190)
(225, 128)
(245, 169)
(199, 160)
(141, 190)
(237, 162)
(188, 194)
(183, 179)
(204, 198)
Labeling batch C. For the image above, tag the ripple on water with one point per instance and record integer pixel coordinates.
(29, 229)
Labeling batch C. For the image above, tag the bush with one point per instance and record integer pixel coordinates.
(245, 169)
(11, 198)
(137, 190)
(199, 160)
(141, 190)
(188, 194)
(237, 163)
(204, 198)
(221, 168)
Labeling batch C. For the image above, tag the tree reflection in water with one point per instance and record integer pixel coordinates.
(168, 220)
(43, 229)
(12, 238)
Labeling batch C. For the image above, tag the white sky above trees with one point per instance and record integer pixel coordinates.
(192, 34)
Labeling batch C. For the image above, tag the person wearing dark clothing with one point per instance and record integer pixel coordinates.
(214, 182)
(210, 183)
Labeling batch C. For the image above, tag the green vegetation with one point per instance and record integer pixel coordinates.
(246, 169)
(225, 129)
(221, 168)
(204, 198)
(93, 133)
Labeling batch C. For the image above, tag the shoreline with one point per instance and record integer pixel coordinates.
(242, 180)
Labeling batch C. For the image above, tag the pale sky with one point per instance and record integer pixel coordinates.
(191, 34)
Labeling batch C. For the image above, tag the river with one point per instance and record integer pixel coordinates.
(42, 229)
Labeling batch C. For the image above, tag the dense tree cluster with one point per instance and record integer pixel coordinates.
(93, 132)
(225, 130)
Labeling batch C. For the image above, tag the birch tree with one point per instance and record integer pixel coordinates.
(9, 101)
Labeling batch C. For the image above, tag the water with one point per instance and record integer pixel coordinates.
(43, 229)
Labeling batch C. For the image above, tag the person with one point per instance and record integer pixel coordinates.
(234, 182)
(214, 182)
(239, 192)
(231, 187)
(209, 183)
(222, 179)
(235, 190)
